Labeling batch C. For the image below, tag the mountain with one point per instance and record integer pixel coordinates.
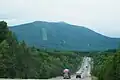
(63, 36)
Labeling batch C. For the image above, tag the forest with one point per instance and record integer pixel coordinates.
(106, 65)
(17, 60)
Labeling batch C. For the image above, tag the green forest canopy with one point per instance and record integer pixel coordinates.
(17, 60)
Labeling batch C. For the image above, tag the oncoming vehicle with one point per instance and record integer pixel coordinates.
(78, 75)
(66, 74)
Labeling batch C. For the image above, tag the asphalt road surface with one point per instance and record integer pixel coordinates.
(85, 71)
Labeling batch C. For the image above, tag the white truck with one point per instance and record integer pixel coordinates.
(66, 74)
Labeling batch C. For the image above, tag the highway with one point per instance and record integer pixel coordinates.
(85, 71)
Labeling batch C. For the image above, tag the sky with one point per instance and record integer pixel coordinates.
(102, 16)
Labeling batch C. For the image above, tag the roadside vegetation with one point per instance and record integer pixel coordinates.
(17, 60)
(107, 65)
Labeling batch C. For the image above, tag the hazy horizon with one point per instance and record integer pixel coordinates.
(102, 16)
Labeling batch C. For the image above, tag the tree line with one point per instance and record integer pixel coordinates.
(107, 65)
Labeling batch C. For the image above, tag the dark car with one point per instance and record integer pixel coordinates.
(78, 75)
(86, 66)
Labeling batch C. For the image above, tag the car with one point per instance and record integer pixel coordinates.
(78, 75)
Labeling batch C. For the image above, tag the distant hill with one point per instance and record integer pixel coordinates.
(63, 36)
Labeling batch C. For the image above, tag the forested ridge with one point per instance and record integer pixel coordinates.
(107, 65)
(63, 36)
(17, 60)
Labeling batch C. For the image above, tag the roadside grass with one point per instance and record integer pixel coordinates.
(94, 78)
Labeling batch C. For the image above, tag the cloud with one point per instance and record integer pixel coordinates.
(99, 15)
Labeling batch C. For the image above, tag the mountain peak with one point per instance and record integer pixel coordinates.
(61, 35)
(50, 22)
(62, 22)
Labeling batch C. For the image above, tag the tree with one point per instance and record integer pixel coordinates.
(6, 61)
(3, 30)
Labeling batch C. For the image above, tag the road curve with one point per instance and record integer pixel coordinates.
(85, 71)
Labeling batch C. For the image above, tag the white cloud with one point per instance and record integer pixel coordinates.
(99, 15)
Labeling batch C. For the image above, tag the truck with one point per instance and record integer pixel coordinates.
(66, 74)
